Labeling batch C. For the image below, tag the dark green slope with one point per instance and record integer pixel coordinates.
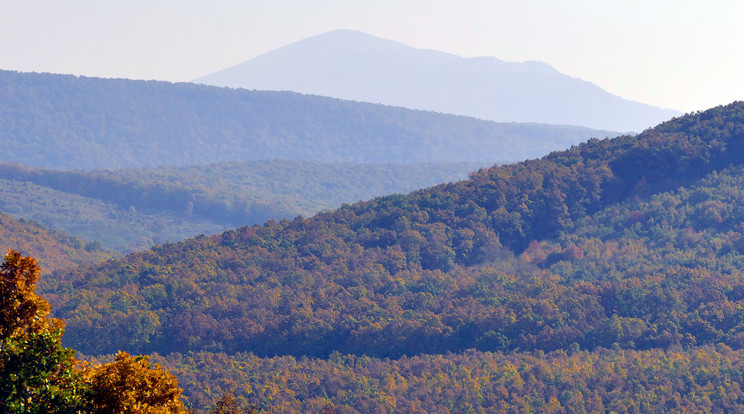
(65, 122)
(519, 257)
(136, 208)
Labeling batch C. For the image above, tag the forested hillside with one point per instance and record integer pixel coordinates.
(624, 252)
(53, 249)
(67, 122)
(698, 379)
(132, 209)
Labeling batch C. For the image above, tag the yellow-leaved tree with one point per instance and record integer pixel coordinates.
(39, 375)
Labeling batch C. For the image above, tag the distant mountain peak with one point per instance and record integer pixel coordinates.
(353, 65)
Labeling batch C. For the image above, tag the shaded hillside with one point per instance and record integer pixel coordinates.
(66, 122)
(136, 208)
(448, 268)
(352, 65)
(54, 250)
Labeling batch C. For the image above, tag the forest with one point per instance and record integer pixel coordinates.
(54, 249)
(136, 208)
(606, 277)
(69, 122)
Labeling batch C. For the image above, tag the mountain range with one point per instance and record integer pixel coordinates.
(70, 122)
(602, 277)
(356, 66)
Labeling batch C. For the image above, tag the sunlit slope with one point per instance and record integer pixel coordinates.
(535, 255)
(54, 250)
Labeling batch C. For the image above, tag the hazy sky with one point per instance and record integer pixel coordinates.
(680, 54)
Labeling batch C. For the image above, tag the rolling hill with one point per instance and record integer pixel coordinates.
(352, 65)
(69, 122)
(133, 209)
(53, 249)
(604, 277)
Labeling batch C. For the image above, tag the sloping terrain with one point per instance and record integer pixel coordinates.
(54, 250)
(353, 65)
(69, 122)
(134, 209)
(604, 277)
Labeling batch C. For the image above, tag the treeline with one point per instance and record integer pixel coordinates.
(699, 379)
(456, 266)
(67, 122)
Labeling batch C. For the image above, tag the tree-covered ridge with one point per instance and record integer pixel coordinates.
(448, 268)
(54, 249)
(133, 209)
(642, 275)
(65, 122)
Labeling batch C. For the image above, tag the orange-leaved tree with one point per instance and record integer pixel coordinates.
(130, 385)
(39, 375)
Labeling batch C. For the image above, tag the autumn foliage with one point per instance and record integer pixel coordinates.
(130, 385)
(602, 278)
(39, 375)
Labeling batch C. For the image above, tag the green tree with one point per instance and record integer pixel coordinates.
(37, 374)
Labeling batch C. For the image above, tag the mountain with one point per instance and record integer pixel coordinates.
(69, 122)
(352, 65)
(596, 278)
(53, 249)
(133, 209)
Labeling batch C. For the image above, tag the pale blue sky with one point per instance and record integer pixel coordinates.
(684, 55)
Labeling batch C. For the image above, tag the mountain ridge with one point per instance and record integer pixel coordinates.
(353, 65)
(603, 277)
(69, 122)
(401, 247)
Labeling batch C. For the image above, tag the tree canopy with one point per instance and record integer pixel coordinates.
(39, 375)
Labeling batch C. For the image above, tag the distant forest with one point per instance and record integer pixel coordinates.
(69, 122)
(133, 209)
